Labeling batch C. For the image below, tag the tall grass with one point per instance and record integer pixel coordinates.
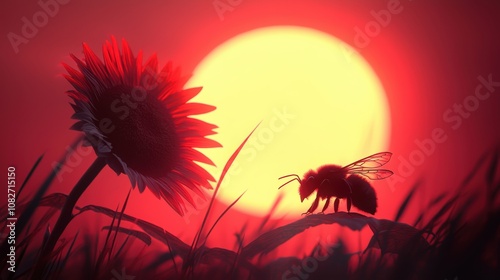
(450, 242)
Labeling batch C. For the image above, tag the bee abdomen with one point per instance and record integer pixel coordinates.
(363, 194)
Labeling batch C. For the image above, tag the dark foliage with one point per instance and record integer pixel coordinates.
(446, 241)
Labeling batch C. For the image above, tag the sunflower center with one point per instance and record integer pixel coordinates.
(140, 129)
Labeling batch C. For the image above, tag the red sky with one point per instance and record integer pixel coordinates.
(428, 56)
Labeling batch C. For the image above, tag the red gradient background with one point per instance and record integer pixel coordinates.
(428, 58)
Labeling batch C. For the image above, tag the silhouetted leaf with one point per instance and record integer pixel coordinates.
(55, 200)
(135, 233)
(393, 237)
(272, 239)
(207, 255)
(156, 232)
(98, 209)
(176, 245)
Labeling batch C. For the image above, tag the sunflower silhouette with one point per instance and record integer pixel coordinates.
(138, 121)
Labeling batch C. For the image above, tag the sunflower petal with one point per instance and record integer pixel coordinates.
(178, 189)
(188, 183)
(94, 63)
(80, 86)
(129, 64)
(76, 96)
(196, 172)
(189, 123)
(182, 97)
(77, 126)
(117, 58)
(151, 65)
(201, 143)
(107, 54)
(173, 200)
(193, 109)
(73, 72)
(195, 155)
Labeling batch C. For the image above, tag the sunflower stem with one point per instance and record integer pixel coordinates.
(66, 216)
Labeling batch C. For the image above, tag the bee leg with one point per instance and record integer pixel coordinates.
(313, 206)
(336, 205)
(326, 205)
(349, 185)
(349, 196)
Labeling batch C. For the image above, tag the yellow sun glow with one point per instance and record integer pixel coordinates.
(318, 101)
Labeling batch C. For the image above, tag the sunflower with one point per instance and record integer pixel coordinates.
(138, 119)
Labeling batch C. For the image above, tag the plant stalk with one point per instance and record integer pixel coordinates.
(66, 216)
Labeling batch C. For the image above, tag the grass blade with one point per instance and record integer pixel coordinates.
(221, 179)
(407, 200)
(221, 215)
(104, 250)
(135, 233)
(118, 224)
(266, 219)
(30, 209)
(228, 165)
(30, 173)
(474, 171)
(62, 264)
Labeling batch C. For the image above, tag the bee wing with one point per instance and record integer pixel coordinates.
(373, 161)
(370, 173)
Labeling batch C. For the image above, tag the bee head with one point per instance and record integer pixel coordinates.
(308, 185)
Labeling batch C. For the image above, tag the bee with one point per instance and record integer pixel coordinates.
(344, 183)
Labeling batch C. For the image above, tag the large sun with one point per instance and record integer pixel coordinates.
(317, 100)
